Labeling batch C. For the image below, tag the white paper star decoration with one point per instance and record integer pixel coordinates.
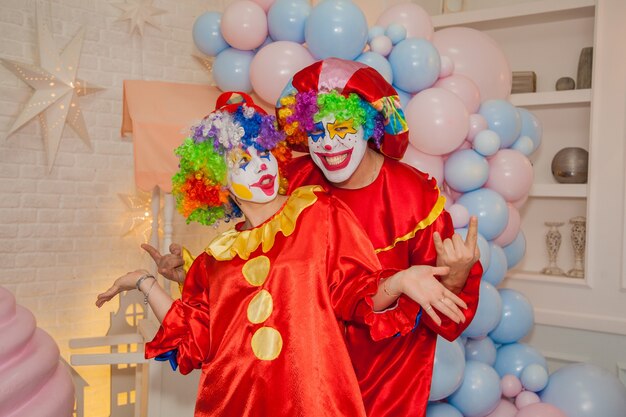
(139, 12)
(138, 215)
(57, 89)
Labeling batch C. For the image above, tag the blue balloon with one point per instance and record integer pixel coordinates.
(442, 410)
(514, 357)
(479, 393)
(534, 377)
(404, 96)
(486, 142)
(416, 64)
(531, 127)
(374, 32)
(286, 19)
(483, 246)
(466, 170)
(515, 250)
(490, 209)
(447, 369)
(396, 32)
(517, 317)
(487, 314)
(231, 70)
(336, 29)
(503, 118)
(524, 144)
(585, 390)
(378, 62)
(496, 270)
(481, 350)
(207, 34)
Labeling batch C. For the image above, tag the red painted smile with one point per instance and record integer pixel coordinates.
(266, 184)
(335, 161)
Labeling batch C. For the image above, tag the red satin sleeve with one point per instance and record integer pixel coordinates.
(354, 274)
(423, 252)
(185, 327)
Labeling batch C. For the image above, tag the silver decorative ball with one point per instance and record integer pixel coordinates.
(569, 166)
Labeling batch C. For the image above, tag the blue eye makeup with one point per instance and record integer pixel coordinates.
(317, 132)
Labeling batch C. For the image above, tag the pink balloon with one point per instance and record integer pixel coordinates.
(381, 45)
(430, 164)
(510, 174)
(477, 123)
(504, 409)
(413, 17)
(265, 4)
(447, 66)
(518, 204)
(464, 88)
(540, 410)
(511, 385)
(244, 25)
(438, 121)
(512, 227)
(460, 215)
(274, 65)
(477, 56)
(526, 398)
(449, 200)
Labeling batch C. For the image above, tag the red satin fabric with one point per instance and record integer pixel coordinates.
(319, 277)
(395, 374)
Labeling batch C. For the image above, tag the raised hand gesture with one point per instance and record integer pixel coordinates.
(169, 265)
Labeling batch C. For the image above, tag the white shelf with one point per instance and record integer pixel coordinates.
(523, 13)
(549, 98)
(559, 190)
(552, 279)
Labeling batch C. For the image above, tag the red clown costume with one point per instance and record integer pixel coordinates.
(263, 314)
(400, 210)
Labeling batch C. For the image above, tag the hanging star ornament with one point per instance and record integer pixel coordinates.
(139, 12)
(55, 100)
(138, 215)
(207, 64)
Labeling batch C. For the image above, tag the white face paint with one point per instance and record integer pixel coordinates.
(253, 175)
(337, 148)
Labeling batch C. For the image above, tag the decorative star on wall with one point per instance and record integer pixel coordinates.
(138, 215)
(57, 89)
(207, 63)
(139, 12)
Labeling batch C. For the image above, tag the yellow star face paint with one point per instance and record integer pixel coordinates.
(341, 129)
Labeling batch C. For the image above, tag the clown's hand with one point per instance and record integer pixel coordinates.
(169, 265)
(458, 255)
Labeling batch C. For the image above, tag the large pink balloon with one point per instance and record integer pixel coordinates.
(413, 17)
(512, 227)
(504, 409)
(438, 121)
(430, 164)
(477, 56)
(274, 65)
(511, 385)
(510, 174)
(464, 88)
(244, 25)
(265, 4)
(540, 410)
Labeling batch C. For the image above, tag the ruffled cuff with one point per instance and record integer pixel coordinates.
(394, 321)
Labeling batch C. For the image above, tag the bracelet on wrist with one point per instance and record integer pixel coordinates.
(386, 291)
(141, 279)
(147, 293)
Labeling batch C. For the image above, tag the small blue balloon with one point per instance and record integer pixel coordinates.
(487, 314)
(490, 208)
(534, 377)
(378, 62)
(442, 410)
(524, 144)
(517, 317)
(479, 393)
(515, 250)
(531, 127)
(481, 350)
(286, 19)
(404, 96)
(416, 64)
(496, 270)
(447, 369)
(231, 70)
(483, 246)
(503, 118)
(207, 35)
(396, 32)
(514, 357)
(374, 32)
(486, 142)
(466, 170)
(336, 29)
(585, 390)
